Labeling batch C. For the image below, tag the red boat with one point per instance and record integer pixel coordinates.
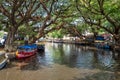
(26, 51)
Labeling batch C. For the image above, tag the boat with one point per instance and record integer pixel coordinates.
(40, 48)
(102, 45)
(26, 51)
(58, 41)
(3, 60)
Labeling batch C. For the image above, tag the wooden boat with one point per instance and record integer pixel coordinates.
(40, 48)
(3, 60)
(102, 45)
(26, 51)
(58, 41)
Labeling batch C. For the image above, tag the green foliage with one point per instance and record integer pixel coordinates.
(26, 30)
(57, 34)
(66, 12)
(112, 8)
(1, 34)
(103, 14)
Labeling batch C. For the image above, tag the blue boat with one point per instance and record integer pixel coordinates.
(100, 38)
(102, 45)
(26, 51)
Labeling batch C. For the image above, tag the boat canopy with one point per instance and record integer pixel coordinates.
(100, 38)
(29, 46)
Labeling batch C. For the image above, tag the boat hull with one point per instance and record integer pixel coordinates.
(20, 55)
(25, 51)
(102, 46)
(40, 48)
(4, 62)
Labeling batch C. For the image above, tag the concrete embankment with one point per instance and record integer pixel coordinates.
(11, 55)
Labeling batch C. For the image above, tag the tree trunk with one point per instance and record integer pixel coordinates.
(35, 38)
(10, 40)
(116, 38)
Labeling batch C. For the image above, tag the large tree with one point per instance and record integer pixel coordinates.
(46, 14)
(102, 14)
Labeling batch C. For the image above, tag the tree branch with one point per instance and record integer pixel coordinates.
(4, 11)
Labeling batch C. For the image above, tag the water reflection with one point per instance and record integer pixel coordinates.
(79, 56)
(31, 63)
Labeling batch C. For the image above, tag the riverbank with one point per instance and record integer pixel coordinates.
(55, 72)
(11, 55)
(95, 44)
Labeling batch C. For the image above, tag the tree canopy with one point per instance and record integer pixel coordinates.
(47, 15)
(39, 17)
(101, 13)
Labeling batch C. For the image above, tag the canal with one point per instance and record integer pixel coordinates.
(65, 62)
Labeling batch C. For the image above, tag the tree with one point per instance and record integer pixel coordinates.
(41, 13)
(101, 13)
(57, 34)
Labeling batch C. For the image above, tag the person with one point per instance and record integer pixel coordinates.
(26, 39)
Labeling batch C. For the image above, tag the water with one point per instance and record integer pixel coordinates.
(65, 62)
(80, 57)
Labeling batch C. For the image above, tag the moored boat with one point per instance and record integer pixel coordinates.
(3, 60)
(102, 45)
(41, 48)
(26, 51)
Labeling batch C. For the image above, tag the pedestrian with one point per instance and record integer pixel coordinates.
(26, 40)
